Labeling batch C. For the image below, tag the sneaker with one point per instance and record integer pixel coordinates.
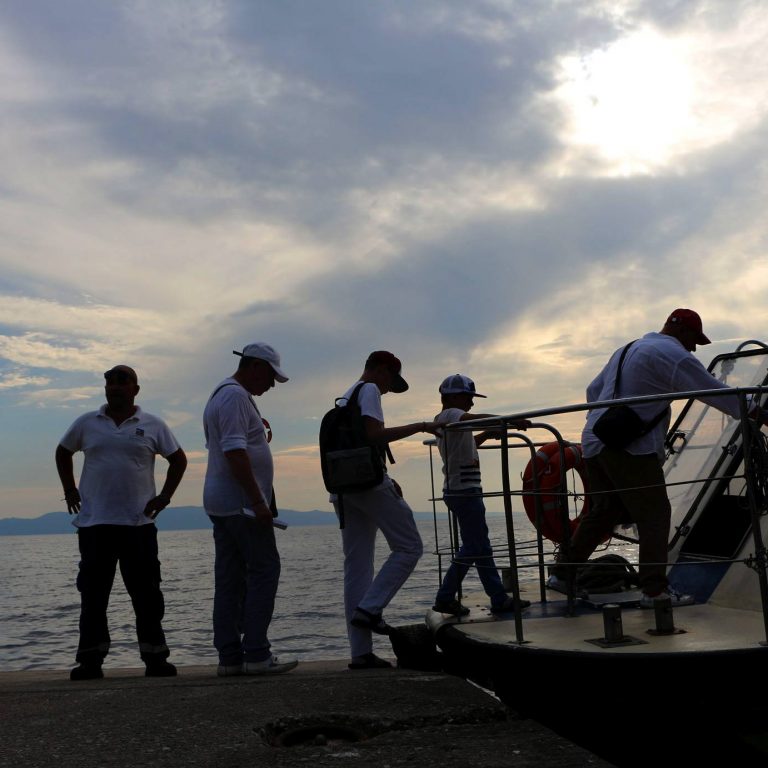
(561, 585)
(649, 601)
(86, 672)
(270, 666)
(229, 670)
(555, 582)
(363, 619)
(508, 606)
(160, 668)
(452, 607)
(369, 661)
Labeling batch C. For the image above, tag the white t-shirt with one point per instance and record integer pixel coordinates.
(461, 461)
(655, 364)
(231, 422)
(369, 400)
(118, 477)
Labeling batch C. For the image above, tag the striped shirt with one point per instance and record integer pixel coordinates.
(461, 463)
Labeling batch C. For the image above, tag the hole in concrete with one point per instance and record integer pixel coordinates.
(328, 732)
(319, 735)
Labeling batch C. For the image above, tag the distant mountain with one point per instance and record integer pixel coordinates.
(53, 522)
(171, 519)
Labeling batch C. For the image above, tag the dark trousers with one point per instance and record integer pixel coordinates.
(627, 489)
(102, 547)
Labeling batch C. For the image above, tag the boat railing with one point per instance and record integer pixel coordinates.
(742, 443)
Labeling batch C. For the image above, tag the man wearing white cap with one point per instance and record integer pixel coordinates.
(239, 499)
(463, 494)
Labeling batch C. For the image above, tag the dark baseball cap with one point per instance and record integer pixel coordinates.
(387, 359)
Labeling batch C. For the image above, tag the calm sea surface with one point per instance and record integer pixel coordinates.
(40, 603)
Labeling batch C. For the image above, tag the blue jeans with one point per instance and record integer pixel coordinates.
(475, 549)
(247, 572)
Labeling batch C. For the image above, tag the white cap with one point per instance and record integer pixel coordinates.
(262, 351)
(458, 384)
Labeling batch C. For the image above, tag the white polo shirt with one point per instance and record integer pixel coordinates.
(231, 422)
(655, 364)
(118, 477)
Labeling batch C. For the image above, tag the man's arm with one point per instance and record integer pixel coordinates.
(65, 468)
(177, 465)
(493, 434)
(691, 375)
(240, 465)
(378, 434)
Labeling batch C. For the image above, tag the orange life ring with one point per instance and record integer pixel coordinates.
(546, 465)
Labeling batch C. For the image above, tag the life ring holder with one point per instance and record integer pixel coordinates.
(543, 478)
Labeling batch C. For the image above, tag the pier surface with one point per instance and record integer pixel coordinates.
(319, 714)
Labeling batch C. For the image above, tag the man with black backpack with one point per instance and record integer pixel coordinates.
(378, 508)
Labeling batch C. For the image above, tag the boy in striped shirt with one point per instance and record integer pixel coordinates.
(463, 495)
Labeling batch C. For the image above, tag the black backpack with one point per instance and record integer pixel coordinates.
(607, 574)
(349, 463)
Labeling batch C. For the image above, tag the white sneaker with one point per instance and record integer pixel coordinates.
(553, 582)
(270, 666)
(648, 601)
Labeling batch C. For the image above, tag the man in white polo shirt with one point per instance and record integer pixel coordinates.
(628, 483)
(116, 505)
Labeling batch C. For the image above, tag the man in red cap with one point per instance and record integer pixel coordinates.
(627, 483)
(381, 508)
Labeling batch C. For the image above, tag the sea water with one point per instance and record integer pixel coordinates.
(41, 605)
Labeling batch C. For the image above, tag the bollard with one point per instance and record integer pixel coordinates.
(614, 632)
(662, 608)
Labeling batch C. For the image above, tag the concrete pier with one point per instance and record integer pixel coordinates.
(319, 714)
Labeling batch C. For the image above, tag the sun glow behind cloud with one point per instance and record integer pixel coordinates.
(647, 100)
(631, 102)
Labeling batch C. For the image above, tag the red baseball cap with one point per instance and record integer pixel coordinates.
(689, 319)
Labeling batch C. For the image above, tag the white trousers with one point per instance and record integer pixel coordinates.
(365, 513)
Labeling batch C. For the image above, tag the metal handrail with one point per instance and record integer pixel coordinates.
(746, 397)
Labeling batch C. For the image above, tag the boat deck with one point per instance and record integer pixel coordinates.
(704, 628)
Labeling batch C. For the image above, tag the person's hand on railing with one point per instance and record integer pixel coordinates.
(521, 424)
(760, 415)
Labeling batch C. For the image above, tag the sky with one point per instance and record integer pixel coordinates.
(509, 189)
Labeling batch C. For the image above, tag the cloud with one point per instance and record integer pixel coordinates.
(183, 178)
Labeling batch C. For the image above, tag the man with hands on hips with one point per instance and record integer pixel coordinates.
(115, 507)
